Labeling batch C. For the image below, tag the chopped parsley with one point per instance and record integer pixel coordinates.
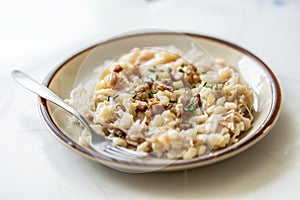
(134, 96)
(182, 65)
(116, 96)
(217, 86)
(108, 98)
(203, 73)
(181, 70)
(208, 85)
(200, 103)
(152, 70)
(190, 107)
(156, 76)
(169, 69)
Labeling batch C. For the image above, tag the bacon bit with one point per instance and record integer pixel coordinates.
(196, 99)
(152, 102)
(121, 106)
(118, 68)
(133, 143)
(156, 109)
(164, 87)
(142, 107)
(119, 133)
(167, 106)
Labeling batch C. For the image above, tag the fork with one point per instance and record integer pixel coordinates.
(97, 142)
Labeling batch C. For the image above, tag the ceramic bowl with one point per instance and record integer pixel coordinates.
(80, 66)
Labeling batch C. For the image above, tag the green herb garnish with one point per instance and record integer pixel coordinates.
(208, 85)
(116, 96)
(108, 98)
(190, 107)
(217, 86)
(156, 76)
(169, 69)
(203, 73)
(152, 70)
(182, 65)
(181, 70)
(200, 103)
(134, 96)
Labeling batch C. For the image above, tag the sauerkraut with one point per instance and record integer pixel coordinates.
(154, 100)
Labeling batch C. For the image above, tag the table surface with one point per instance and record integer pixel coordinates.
(36, 36)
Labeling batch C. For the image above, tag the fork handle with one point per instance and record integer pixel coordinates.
(32, 85)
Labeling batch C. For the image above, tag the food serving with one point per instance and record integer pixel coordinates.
(176, 107)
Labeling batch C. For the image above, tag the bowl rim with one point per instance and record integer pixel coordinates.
(181, 164)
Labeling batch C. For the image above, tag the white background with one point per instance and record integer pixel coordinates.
(36, 36)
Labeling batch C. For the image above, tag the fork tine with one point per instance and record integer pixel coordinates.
(130, 152)
(119, 152)
(115, 155)
(110, 154)
(116, 152)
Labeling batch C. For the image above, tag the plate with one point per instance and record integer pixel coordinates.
(78, 69)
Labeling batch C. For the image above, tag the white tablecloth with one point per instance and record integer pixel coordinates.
(36, 36)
